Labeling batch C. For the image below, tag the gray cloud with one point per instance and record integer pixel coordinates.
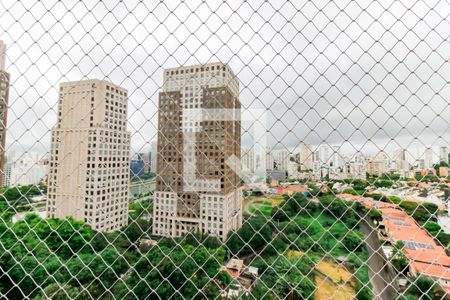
(364, 75)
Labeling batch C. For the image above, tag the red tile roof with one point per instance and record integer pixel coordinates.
(424, 254)
(434, 271)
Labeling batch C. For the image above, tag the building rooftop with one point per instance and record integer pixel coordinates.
(425, 255)
(434, 271)
(234, 267)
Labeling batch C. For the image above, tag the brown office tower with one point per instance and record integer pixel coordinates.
(199, 136)
(89, 170)
(4, 98)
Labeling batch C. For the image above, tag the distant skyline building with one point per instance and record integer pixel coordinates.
(304, 155)
(325, 152)
(90, 155)
(248, 160)
(401, 160)
(7, 171)
(443, 154)
(428, 157)
(269, 160)
(282, 159)
(335, 160)
(147, 158)
(137, 165)
(196, 189)
(421, 164)
(377, 165)
(153, 155)
(4, 100)
(2, 55)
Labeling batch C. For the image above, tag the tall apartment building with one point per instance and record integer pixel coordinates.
(377, 165)
(443, 154)
(248, 159)
(269, 159)
(196, 189)
(428, 157)
(282, 159)
(2, 55)
(336, 158)
(153, 151)
(304, 155)
(147, 158)
(89, 170)
(4, 99)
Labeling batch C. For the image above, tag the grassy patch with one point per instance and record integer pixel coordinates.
(264, 209)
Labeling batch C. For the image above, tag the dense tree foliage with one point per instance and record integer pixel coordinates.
(312, 230)
(423, 288)
(176, 271)
(66, 258)
(436, 231)
(62, 259)
(421, 212)
(287, 276)
(398, 259)
(254, 234)
(18, 198)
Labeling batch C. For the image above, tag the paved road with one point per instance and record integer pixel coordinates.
(381, 275)
(247, 207)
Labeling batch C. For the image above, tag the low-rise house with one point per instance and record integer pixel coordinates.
(244, 277)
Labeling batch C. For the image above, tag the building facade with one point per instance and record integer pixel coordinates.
(2, 55)
(248, 159)
(196, 189)
(443, 154)
(377, 165)
(304, 155)
(282, 159)
(147, 158)
(428, 157)
(89, 169)
(4, 100)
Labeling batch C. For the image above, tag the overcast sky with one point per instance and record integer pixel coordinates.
(366, 75)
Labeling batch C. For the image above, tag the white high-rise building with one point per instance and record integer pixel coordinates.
(7, 171)
(325, 152)
(90, 155)
(443, 154)
(428, 159)
(2, 55)
(401, 162)
(421, 164)
(248, 160)
(335, 160)
(269, 160)
(305, 156)
(378, 164)
(282, 159)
